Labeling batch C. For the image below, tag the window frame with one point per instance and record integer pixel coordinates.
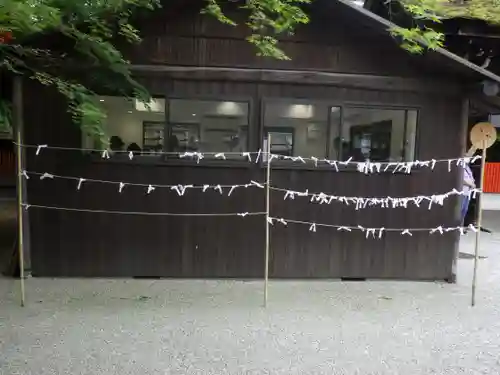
(256, 130)
(122, 158)
(276, 129)
(144, 122)
(212, 161)
(289, 164)
(406, 109)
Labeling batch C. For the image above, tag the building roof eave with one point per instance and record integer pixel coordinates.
(386, 24)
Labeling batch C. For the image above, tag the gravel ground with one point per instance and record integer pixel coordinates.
(219, 327)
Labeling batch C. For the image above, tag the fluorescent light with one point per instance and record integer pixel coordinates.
(301, 111)
(155, 105)
(229, 108)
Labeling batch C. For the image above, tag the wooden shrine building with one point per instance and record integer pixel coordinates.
(349, 91)
(476, 41)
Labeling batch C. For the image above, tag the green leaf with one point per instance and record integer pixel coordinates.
(267, 20)
(92, 26)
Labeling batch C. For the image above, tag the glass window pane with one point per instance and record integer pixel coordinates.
(130, 125)
(335, 126)
(297, 129)
(208, 126)
(377, 134)
(411, 134)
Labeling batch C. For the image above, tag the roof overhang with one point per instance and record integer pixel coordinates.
(458, 62)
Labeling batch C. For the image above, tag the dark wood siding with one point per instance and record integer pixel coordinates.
(89, 244)
(336, 40)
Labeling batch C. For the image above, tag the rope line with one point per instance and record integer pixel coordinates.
(136, 153)
(352, 198)
(204, 186)
(241, 214)
(350, 161)
(379, 230)
(271, 220)
(221, 154)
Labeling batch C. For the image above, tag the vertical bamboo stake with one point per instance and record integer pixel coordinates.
(268, 182)
(479, 219)
(18, 125)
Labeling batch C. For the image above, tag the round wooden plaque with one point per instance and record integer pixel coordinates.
(483, 134)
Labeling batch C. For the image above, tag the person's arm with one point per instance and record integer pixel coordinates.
(469, 184)
(469, 181)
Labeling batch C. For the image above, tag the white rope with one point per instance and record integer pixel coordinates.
(384, 202)
(241, 214)
(366, 167)
(375, 232)
(178, 187)
(219, 154)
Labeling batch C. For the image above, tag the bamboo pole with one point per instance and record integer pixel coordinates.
(18, 126)
(268, 182)
(479, 220)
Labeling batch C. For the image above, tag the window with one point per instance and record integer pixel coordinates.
(131, 125)
(299, 128)
(208, 126)
(308, 128)
(378, 134)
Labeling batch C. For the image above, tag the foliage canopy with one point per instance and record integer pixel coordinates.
(428, 13)
(92, 27)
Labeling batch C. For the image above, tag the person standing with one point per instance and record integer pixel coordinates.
(468, 185)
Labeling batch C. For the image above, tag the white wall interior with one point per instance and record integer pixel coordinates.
(222, 126)
(215, 126)
(308, 121)
(399, 141)
(125, 121)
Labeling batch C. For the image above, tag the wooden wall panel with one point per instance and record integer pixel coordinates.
(89, 244)
(335, 40)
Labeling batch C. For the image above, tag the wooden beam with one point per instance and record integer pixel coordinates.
(17, 116)
(473, 35)
(361, 81)
(487, 103)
